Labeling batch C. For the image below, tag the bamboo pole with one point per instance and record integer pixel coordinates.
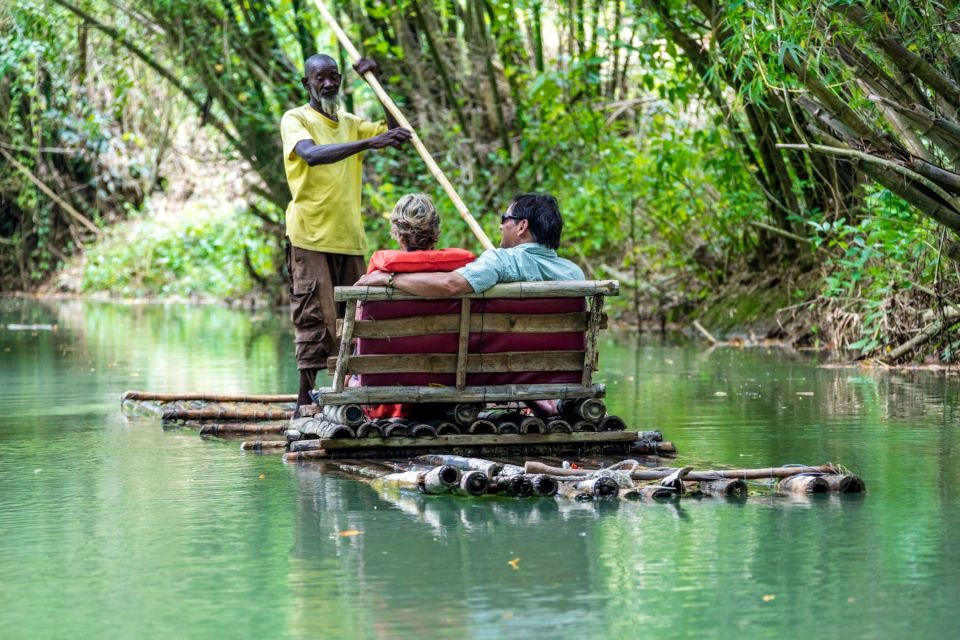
(238, 415)
(390, 106)
(204, 397)
(657, 474)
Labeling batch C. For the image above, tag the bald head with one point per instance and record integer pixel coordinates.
(318, 60)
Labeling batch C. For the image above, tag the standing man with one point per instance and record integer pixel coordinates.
(322, 147)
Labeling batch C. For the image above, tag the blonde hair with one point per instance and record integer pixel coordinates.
(415, 223)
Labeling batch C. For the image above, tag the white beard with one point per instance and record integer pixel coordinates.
(329, 106)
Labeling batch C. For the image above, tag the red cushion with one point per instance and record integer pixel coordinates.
(480, 342)
(395, 261)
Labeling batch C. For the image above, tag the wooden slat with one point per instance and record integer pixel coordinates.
(463, 342)
(476, 363)
(346, 346)
(556, 289)
(333, 444)
(486, 323)
(491, 393)
(590, 358)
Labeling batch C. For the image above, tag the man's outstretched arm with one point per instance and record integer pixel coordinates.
(427, 284)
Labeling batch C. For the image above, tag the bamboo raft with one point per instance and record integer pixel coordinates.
(470, 432)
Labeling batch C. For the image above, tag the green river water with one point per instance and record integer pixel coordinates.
(116, 528)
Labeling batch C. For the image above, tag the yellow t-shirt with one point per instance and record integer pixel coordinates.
(324, 212)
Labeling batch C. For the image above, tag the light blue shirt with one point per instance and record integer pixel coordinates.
(528, 262)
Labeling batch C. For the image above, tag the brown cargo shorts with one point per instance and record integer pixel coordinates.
(313, 275)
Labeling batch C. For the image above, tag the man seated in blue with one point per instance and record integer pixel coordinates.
(529, 236)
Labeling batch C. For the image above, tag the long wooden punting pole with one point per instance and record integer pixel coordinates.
(390, 106)
(147, 396)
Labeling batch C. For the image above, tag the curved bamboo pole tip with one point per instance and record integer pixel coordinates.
(390, 106)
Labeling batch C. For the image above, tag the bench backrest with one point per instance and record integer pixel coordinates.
(517, 333)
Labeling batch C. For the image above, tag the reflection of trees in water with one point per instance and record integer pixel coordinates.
(181, 346)
(416, 550)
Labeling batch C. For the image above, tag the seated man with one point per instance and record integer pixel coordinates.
(530, 234)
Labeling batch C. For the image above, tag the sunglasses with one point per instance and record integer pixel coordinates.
(507, 216)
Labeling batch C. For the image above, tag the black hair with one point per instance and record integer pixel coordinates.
(543, 213)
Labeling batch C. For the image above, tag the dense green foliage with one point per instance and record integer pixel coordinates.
(658, 124)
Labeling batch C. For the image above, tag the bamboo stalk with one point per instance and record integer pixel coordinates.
(263, 445)
(390, 106)
(242, 429)
(656, 474)
(238, 415)
(205, 397)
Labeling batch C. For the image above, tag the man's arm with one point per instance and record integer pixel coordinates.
(314, 154)
(367, 64)
(427, 284)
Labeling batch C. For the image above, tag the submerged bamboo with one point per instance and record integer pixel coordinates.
(488, 467)
(656, 474)
(845, 483)
(242, 428)
(216, 413)
(725, 487)
(803, 484)
(263, 445)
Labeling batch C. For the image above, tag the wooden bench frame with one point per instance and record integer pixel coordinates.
(591, 321)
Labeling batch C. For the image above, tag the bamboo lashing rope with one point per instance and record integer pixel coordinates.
(390, 106)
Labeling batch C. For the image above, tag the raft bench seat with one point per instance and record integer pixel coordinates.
(514, 342)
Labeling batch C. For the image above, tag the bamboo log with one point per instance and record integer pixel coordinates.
(803, 484)
(612, 423)
(532, 424)
(348, 414)
(438, 480)
(589, 409)
(422, 430)
(445, 428)
(547, 289)
(313, 444)
(506, 427)
(489, 467)
(205, 397)
(491, 440)
(600, 487)
(242, 428)
(396, 430)
(463, 344)
(473, 483)
(570, 491)
(342, 365)
(518, 486)
(648, 492)
(840, 483)
(335, 431)
(725, 487)
(653, 436)
(238, 415)
(556, 425)
(292, 435)
(656, 474)
(304, 456)
(648, 448)
(464, 413)
(263, 445)
(544, 485)
(584, 425)
(369, 429)
(480, 427)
